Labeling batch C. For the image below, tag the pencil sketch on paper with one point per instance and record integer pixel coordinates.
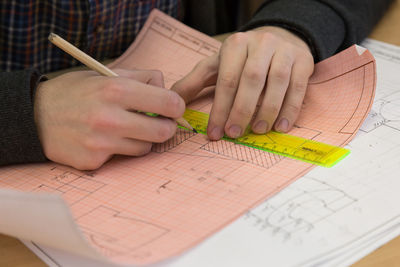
(385, 112)
(72, 185)
(146, 209)
(112, 244)
(325, 218)
(299, 208)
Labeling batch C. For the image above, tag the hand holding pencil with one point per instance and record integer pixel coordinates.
(83, 118)
(95, 65)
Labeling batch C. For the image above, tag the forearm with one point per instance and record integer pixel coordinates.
(328, 26)
(19, 142)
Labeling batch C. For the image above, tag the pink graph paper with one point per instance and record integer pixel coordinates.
(147, 209)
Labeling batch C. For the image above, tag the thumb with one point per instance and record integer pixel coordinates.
(203, 75)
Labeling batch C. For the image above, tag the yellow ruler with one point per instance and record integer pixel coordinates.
(283, 144)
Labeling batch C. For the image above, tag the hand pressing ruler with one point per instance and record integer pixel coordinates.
(279, 143)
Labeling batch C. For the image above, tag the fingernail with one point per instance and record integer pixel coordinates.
(216, 133)
(283, 125)
(261, 127)
(235, 131)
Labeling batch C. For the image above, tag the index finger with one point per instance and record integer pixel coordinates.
(134, 95)
(233, 56)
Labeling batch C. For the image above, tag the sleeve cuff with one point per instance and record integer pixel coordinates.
(19, 142)
(316, 23)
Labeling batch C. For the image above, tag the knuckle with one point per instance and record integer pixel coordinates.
(228, 82)
(92, 164)
(165, 131)
(174, 104)
(306, 60)
(143, 149)
(97, 160)
(299, 87)
(92, 120)
(237, 38)
(254, 73)
(94, 145)
(82, 166)
(91, 159)
(267, 37)
(281, 74)
(286, 59)
(100, 121)
(308, 57)
(112, 91)
(273, 110)
(205, 66)
(309, 63)
(85, 166)
(244, 111)
(293, 109)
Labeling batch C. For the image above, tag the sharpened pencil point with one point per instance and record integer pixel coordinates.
(182, 122)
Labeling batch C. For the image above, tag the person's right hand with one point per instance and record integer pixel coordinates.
(83, 118)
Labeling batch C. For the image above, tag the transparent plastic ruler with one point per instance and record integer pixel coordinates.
(279, 143)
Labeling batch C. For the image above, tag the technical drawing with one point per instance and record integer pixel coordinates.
(72, 186)
(181, 136)
(243, 153)
(141, 210)
(307, 204)
(223, 148)
(133, 233)
(385, 112)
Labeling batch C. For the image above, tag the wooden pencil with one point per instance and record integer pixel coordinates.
(95, 65)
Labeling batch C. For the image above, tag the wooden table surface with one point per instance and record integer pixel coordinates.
(14, 253)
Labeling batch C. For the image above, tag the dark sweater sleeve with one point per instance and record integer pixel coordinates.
(19, 142)
(328, 26)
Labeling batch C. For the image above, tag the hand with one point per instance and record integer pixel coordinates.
(268, 65)
(83, 118)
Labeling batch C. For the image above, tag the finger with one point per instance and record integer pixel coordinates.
(292, 104)
(132, 147)
(276, 87)
(233, 56)
(134, 95)
(93, 152)
(153, 77)
(204, 74)
(139, 126)
(251, 85)
(115, 145)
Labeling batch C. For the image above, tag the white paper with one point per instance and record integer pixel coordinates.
(46, 219)
(330, 217)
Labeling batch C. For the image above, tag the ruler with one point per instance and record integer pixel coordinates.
(279, 143)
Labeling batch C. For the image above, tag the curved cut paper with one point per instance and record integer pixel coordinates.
(147, 209)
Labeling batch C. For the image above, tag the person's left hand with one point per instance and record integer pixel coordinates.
(269, 65)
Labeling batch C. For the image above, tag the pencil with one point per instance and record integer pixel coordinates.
(95, 65)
